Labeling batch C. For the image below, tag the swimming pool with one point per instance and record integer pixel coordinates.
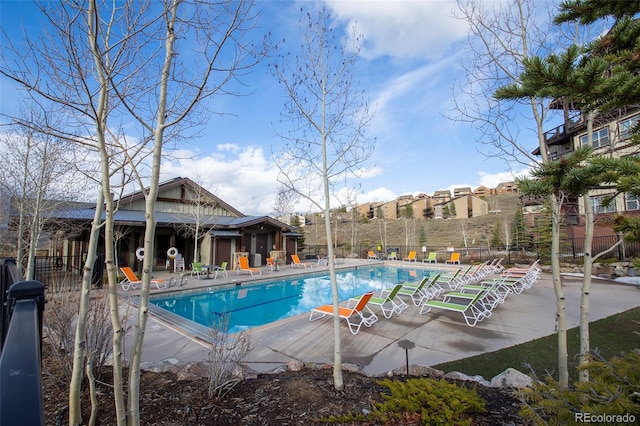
(252, 305)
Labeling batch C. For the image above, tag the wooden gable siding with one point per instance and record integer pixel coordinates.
(179, 199)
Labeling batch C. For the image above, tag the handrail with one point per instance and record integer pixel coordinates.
(20, 360)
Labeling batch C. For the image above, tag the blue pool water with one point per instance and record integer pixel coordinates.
(252, 305)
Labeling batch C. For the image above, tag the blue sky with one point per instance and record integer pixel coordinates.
(409, 64)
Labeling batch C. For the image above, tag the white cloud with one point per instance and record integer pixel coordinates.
(245, 178)
(491, 180)
(378, 194)
(402, 29)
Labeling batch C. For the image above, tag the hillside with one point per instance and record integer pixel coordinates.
(440, 233)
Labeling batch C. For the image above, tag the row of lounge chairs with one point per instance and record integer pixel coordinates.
(473, 292)
(432, 257)
(476, 301)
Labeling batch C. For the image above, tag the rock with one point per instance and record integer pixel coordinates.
(191, 371)
(352, 368)
(511, 378)
(295, 365)
(456, 375)
(423, 370)
(417, 370)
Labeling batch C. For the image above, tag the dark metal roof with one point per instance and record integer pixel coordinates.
(133, 217)
(219, 233)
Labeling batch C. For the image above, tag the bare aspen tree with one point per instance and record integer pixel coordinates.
(201, 209)
(328, 115)
(37, 180)
(171, 100)
(350, 200)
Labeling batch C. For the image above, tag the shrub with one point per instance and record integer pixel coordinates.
(422, 401)
(224, 356)
(613, 389)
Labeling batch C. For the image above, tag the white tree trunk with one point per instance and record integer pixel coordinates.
(586, 287)
(561, 319)
(80, 343)
(150, 229)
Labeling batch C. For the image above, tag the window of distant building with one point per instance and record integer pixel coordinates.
(632, 202)
(625, 126)
(600, 138)
(599, 207)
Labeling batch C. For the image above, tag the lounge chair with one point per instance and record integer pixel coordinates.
(517, 279)
(388, 297)
(431, 258)
(131, 280)
(475, 273)
(471, 309)
(496, 293)
(495, 266)
(372, 256)
(392, 256)
(428, 288)
(270, 263)
(451, 279)
(197, 269)
(324, 260)
(295, 262)
(243, 266)
(355, 316)
(411, 257)
(455, 259)
(222, 268)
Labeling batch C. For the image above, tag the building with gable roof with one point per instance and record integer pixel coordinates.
(181, 207)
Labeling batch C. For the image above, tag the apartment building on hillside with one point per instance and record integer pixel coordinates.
(483, 191)
(462, 207)
(465, 203)
(506, 188)
(459, 192)
(611, 136)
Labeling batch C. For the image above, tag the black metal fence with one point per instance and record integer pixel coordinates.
(53, 271)
(21, 351)
(571, 250)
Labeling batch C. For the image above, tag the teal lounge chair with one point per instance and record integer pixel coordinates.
(388, 297)
(427, 289)
(473, 310)
(431, 258)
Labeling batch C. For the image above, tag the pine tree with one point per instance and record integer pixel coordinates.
(496, 235)
(422, 237)
(520, 240)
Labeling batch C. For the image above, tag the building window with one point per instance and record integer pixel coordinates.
(600, 138)
(626, 126)
(598, 207)
(632, 202)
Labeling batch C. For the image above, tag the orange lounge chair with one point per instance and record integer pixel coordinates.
(295, 262)
(371, 255)
(411, 257)
(243, 265)
(355, 316)
(131, 280)
(455, 259)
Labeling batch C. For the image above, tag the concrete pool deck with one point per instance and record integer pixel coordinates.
(438, 336)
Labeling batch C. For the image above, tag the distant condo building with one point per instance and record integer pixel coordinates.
(464, 203)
